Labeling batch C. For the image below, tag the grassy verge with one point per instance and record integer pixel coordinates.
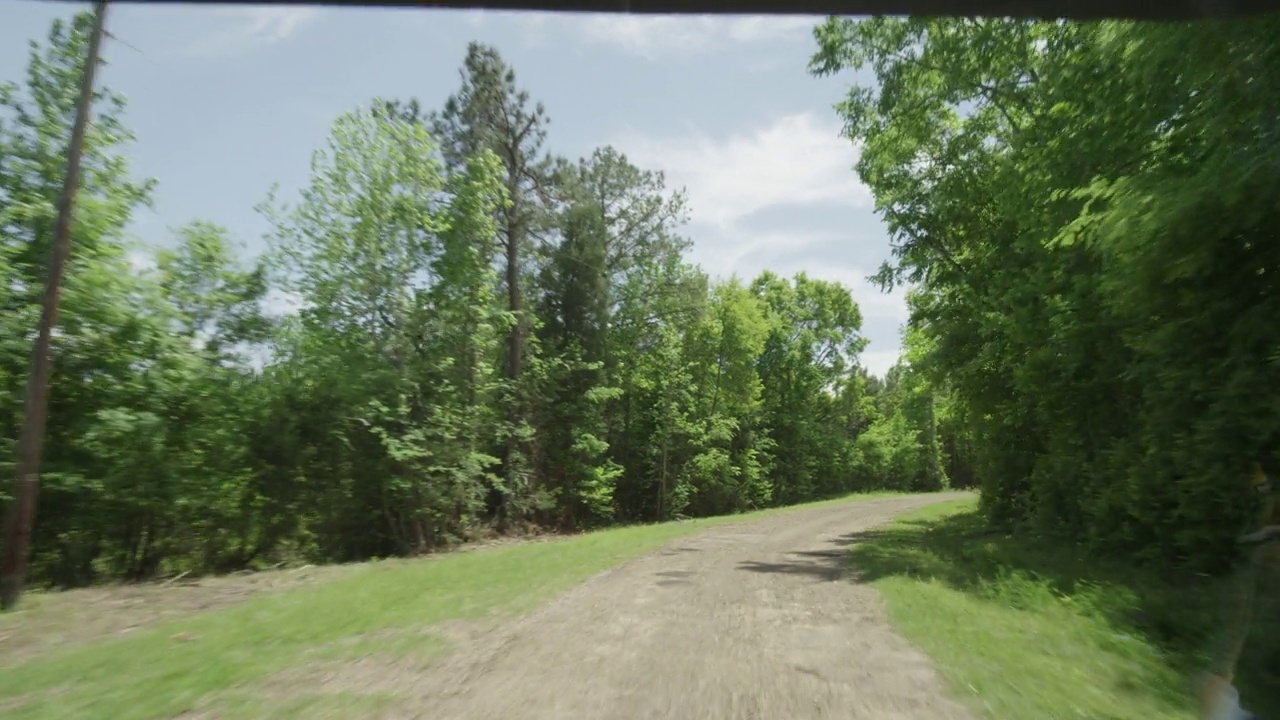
(1033, 630)
(212, 661)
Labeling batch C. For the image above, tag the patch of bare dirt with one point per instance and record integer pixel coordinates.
(759, 619)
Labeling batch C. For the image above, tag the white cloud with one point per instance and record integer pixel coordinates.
(798, 160)
(244, 29)
(652, 36)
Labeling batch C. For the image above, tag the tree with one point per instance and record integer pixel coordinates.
(641, 285)
(812, 347)
(1082, 206)
(218, 304)
(576, 322)
(489, 112)
(35, 122)
(484, 336)
(386, 251)
(726, 472)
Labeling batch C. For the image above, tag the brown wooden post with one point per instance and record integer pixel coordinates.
(22, 507)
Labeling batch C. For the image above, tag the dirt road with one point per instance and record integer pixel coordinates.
(752, 620)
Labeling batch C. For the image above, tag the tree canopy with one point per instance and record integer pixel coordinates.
(488, 337)
(1086, 212)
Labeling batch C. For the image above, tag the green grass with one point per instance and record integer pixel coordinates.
(216, 660)
(1026, 629)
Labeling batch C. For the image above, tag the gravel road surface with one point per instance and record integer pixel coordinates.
(761, 619)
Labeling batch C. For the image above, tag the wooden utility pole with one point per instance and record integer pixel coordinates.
(22, 507)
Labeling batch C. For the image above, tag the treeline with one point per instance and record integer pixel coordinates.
(487, 338)
(1089, 213)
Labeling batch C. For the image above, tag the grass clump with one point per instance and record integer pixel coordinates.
(1035, 629)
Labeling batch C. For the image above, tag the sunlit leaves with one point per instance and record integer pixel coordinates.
(1071, 199)
(483, 335)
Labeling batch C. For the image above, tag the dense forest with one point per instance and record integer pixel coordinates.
(489, 338)
(1087, 214)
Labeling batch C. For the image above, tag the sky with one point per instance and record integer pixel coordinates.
(228, 100)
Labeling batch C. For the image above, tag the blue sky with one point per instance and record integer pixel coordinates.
(226, 101)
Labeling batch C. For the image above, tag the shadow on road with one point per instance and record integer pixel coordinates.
(1177, 614)
(678, 550)
(826, 564)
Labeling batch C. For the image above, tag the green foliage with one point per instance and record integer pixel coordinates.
(811, 348)
(1085, 210)
(486, 337)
